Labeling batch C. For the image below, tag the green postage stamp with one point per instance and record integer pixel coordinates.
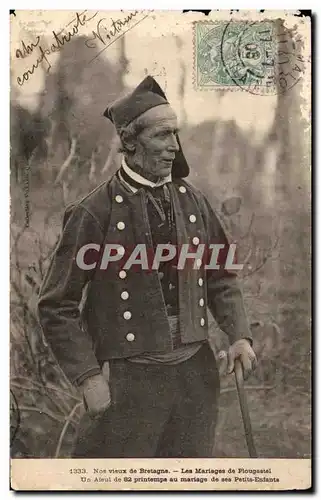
(260, 57)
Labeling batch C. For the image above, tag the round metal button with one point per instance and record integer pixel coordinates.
(192, 218)
(130, 337)
(182, 189)
(127, 315)
(120, 250)
(202, 321)
(201, 302)
(200, 281)
(124, 295)
(119, 198)
(120, 225)
(196, 240)
(122, 274)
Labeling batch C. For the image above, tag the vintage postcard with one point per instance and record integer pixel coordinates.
(160, 250)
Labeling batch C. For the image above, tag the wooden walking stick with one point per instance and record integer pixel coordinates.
(239, 379)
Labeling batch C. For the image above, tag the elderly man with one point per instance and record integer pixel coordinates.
(138, 349)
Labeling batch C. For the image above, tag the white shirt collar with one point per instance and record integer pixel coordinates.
(138, 178)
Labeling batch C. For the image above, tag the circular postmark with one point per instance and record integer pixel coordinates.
(263, 58)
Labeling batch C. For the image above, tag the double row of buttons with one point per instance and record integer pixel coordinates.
(130, 337)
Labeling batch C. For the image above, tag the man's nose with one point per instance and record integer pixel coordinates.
(173, 143)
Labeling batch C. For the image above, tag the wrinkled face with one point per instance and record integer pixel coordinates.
(156, 145)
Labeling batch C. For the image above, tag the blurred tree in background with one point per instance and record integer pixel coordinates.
(64, 149)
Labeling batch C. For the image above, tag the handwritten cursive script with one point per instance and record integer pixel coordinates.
(59, 40)
(26, 49)
(106, 34)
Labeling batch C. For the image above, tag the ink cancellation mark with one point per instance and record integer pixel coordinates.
(262, 58)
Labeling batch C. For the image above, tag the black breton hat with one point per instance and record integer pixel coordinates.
(147, 95)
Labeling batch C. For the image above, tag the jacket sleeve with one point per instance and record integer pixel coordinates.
(224, 292)
(61, 293)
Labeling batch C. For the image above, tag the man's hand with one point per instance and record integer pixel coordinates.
(242, 350)
(96, 395)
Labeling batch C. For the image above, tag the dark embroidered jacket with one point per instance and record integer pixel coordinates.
(111, 326)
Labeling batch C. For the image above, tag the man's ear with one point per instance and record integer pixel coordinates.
(128, 143)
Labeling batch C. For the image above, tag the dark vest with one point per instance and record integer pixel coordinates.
(162, 224)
